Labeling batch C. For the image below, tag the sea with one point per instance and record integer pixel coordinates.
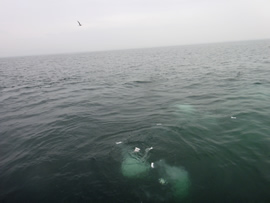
(171, 124)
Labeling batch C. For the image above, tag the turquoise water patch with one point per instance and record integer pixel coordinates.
(133, 166)
(175, 176)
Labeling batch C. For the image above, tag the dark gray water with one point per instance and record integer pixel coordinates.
(204, 109)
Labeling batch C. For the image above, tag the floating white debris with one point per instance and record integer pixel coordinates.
(232, 117)
(152, 165)
(118, 142)
(148, 149)
(159, 124)
(137, 149)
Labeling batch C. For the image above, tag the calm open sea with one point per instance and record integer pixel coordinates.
(69, 125)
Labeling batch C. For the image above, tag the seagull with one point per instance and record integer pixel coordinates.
(79, 23)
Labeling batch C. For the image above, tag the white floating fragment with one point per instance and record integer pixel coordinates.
(152, 165)
(159, 124)
(148, 149)
(137, 149)
(118, 142)
(232, 117)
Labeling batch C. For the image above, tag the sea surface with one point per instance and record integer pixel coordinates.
(70, 124)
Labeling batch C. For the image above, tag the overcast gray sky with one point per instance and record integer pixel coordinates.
(29, 27)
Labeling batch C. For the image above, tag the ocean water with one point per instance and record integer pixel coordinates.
(69, 125)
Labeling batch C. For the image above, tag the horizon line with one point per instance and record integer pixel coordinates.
(134, 48)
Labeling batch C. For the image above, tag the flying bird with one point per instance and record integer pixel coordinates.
(79, 23)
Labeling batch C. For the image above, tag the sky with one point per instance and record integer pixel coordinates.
(34, 27)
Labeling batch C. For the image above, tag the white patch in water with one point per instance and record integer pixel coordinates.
(162, 181)
(186, 108)
(137, 149)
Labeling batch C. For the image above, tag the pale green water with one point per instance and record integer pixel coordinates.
(204, 109)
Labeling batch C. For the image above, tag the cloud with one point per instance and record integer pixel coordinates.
(49, 25)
